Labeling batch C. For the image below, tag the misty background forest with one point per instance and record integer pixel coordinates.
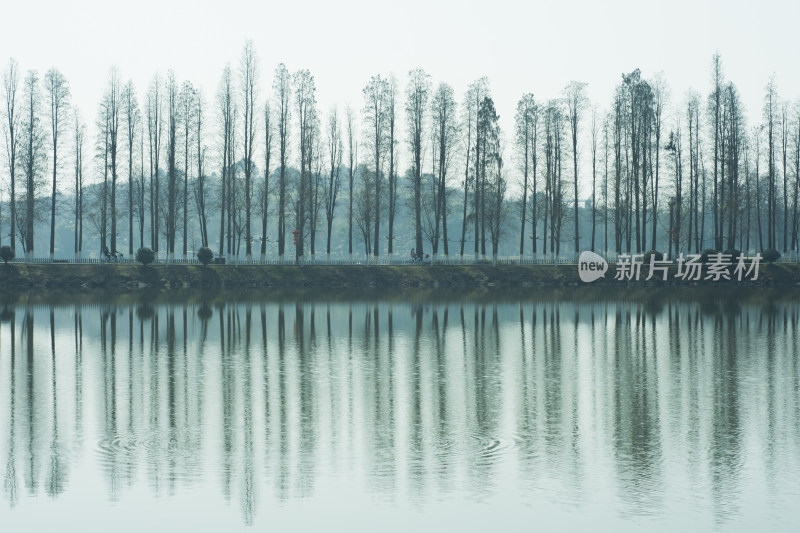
(258, 170)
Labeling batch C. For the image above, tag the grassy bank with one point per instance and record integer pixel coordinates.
(135, 277)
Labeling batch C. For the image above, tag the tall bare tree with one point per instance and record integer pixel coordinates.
(784, 110)
(475, 94)
(155, 128)
(248, 73)
(333, 182)
(770, 111)
(58, 98)
(391, 125)
(132, 118)
(226, 116)
(674, 148)
(375, 118)
(418, 93)
(186, 102)
(351, 157)
(33, 157)
(595, 134)
(200, 152)
(111, 111)
(268, 134)
(659, 97)
(12, 133)
(715, 116)
(526, 121)
(444, 115)
(575, 95)
(173, 117)
(79, 137)
(306, 102)
(281, 85)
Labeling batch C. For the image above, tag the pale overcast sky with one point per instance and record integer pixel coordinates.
(521, 46)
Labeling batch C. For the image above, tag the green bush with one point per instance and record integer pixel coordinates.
(734, 253)
(770, 255)
(205, 255)
(649, 253)
(145, 256)
(706, 253)
(6, 253)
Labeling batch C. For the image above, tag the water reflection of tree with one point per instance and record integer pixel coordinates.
(10, 481)
(396, 397)
(637, 439)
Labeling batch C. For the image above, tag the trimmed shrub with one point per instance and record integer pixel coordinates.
(649, 253)
(6, 253)
(205, 255)
(145, 256)
(770, 255)
(734, 253)
(706, 253)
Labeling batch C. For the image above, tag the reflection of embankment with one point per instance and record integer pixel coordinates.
(126, 278)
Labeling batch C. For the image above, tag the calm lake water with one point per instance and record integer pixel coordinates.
(414, 413)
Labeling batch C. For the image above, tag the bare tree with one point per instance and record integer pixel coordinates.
(226, 116)
(33, 158)
(493, 208)
(475, 94)
(12, 133)
(58, 97)
(784, 109)
(733, 139)
(715, 115)
(249, 80)
(674, 148)
(306, 101)
(554, 198)
(110, 123)
(332, 184)
(132, 119)
(770, 110)
(267, 155)
(693, 118)
(173, 117)
(351, 169)
(315, 201)
(795, 207)
(417, 95)
(575, 94)
(141, 187)
(155, 129)
(659, 97)
(391, 123)
(375, 117)
(527, 119)
(282, 94)
(200, 183)
(186, 102)
(595, 132)
(79, 136)
(365, 205)
(445, 141)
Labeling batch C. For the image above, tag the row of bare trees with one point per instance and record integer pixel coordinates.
(168, 171)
